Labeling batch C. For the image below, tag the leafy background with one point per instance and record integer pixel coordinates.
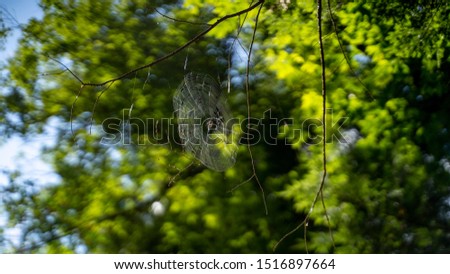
(387, 189)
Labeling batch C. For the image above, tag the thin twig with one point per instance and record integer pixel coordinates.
(324, 111)
(333, 22)
(181, 21)
(73, 107)
(328, 219)
(289, 234)
(53, 73)
(9, 16)
(172, 179)
(95, 104)
(146, 79)
(71, 72)
(240, 26)
(243, 183)
(247, 89)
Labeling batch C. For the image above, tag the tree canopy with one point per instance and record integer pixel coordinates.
(126, 185)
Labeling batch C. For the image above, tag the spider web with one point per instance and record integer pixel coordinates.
(205, 121)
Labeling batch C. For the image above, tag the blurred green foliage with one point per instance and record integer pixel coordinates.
(387, 189)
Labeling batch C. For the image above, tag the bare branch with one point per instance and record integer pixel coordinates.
(187, 44)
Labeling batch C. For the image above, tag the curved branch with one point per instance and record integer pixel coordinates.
(167, 56)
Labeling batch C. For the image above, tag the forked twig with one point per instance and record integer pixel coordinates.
(71, 72)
